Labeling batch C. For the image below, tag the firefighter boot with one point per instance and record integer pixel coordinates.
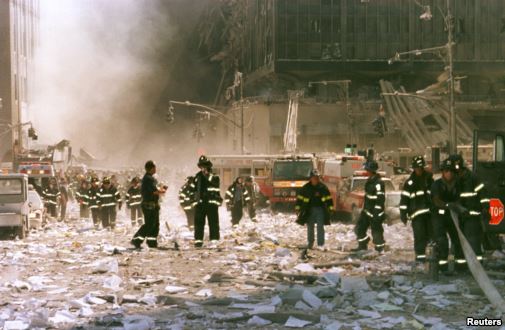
(362, 244)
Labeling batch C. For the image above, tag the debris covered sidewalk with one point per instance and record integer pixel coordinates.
(71, 276)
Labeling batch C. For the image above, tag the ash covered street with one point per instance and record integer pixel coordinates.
(70, 276)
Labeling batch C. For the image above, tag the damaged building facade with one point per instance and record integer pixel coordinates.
(19, 21)
(338, 52)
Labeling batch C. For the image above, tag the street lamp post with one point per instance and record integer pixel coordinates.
(453, 142)
(215, 113)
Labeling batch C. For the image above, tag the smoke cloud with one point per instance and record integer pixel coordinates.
(100, 72)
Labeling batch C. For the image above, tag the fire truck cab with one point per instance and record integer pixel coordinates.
(488, 163)
(289, 174)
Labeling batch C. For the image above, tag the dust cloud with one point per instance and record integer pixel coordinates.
(100, 72)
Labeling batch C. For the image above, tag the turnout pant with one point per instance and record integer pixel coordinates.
(109, 217)
(150, 229)
(237, 212)
(423, 234)
(95, 214)
(136, 215)
(209, 211)
(364, 222)
(63, 211)
(51, 209)
(443, 227)
(316, 218)
(190, 217)
(83, 211)
(251, 209)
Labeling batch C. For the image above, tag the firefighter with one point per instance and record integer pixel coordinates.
(472, 197)
(150, 208)
(94, 207)
(64, 198)
(83, 198)
(206, 199)
(51, 196)
(313, 207)
(373, 213)
(133, 200)
(415, 206)
(185, 202)
(237, 197)
(445, 195)
(108, 199)
(252, 189)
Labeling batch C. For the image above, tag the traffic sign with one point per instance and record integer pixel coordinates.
(496, 210)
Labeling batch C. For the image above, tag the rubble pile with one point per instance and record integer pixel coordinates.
(71, 276)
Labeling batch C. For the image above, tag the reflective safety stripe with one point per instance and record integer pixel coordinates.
(151, 238)
(468, 194)
(214, 202)
(406, 193)
(368, 213)
(198, 241)
(380, 193)
(213, 189)
(247, 198)
(371, 196)
(479, 187)
(485, 200)
(229, 193)
(105, 195)
(381, 214)
(480, 258)
(441, 211)
(378, 207)
(363, 239)
(139, 238)
(419, 212)
(421, 256)
(192, 185)
(134, 203)
(410, 182)
(474, 213)
(306, 200)
(331, 208)
(403, 207)
(297, 207)
(300, 197)
(380, 245)
(188, 208)
(378, 187)
(420, 193)
(182, 194)
(442, 262)
(51, 202)
(428, 192)
(460, 261)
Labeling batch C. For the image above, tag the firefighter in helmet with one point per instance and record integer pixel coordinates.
(415, 205)
(133, 200)
(373, 213)
(185, 202)
(313, 207)
(205, 198)
(82, 197)
(51, 195)
(108, 199)
(445, 195)
(475, 205)
(237, 197)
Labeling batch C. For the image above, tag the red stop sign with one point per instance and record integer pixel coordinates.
(496, 211)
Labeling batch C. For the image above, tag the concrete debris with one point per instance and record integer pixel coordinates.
(369, 314)
(15, 325)
(293, 322)
(354, 284)
(204, 293)
(305, 268)
(138, 322)
(312, 300)
(282, 252)
(258, 321)
(113, 283)
(105, 265)
(172, 289)
(434, 289)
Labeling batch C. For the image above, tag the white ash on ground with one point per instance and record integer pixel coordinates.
(71, 276)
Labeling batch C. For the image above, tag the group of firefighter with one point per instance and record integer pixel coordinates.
(427, 203)
(102, 199)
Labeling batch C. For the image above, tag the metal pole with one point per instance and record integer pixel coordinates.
(453, 142)
(241, 115)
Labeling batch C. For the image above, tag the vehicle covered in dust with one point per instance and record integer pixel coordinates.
(14, 205)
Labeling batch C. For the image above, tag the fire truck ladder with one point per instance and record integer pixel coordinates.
(291, 124)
